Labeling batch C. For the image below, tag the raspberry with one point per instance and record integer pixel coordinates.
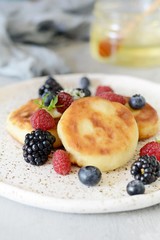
(151, 149)
(61, 162)
(113, 97)
(64, 101)
(41, 119)
(101, 89)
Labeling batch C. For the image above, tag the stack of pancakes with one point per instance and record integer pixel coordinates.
(93, 130)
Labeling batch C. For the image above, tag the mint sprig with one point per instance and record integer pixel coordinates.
(52, 105)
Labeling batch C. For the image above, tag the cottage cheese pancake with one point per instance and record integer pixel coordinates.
(147, 120)
(18, 122)
(98, 132)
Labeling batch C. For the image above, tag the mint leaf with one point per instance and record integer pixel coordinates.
(53, 103)
(38, 102)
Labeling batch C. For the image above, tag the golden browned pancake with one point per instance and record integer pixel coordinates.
(98, 132)
(18, 122)
(147, 120)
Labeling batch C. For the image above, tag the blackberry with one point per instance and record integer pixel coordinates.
(146, 169)
(37, 147)
(50, 85)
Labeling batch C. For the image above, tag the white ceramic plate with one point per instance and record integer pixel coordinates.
(41, 186)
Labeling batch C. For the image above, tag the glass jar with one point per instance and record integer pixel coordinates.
(126, 32)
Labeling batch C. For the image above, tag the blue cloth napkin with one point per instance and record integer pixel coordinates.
(28, 28)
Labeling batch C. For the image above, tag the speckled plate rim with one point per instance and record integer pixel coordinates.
(80, 205)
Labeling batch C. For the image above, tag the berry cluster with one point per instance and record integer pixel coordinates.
(54, 96)
(39, 143)
(137, 101)
(146, 169)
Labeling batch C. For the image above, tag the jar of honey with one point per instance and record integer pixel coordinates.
(126, 32)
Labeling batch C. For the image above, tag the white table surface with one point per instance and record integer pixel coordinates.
(23, 222)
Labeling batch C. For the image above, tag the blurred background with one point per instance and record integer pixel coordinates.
(42, 37)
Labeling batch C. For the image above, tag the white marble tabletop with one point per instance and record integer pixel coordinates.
(23, 222)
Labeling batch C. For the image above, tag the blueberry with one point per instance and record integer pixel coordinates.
(135, 187)
(86, 91)
(47, 98)
(84, 82)
(137, 101)
(89, 175)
